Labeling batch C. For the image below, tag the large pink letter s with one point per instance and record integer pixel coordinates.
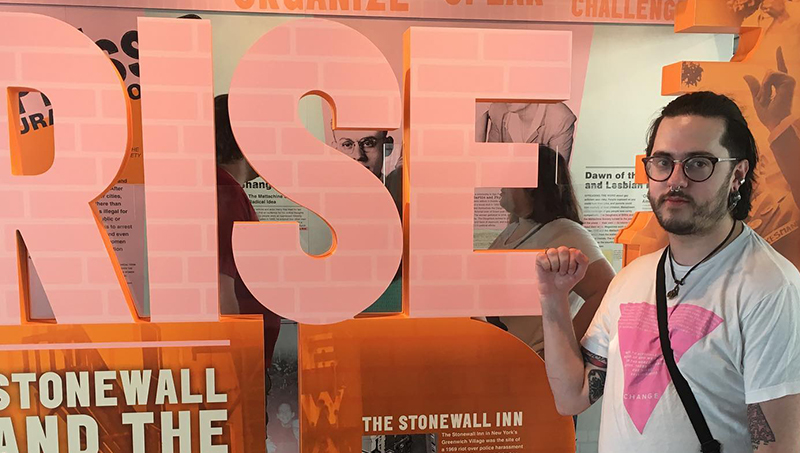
(297, 58)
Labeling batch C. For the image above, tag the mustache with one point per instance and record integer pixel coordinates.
(675, 194)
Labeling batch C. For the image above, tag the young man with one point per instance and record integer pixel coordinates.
(286, 437)
(733, 305)
(369, 148)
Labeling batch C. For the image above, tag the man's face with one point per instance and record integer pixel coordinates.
(774, 8)
(363, 146)
(285, 414)
(691, 207)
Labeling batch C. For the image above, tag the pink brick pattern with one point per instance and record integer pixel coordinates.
(52, 210)
(445, 164)
(361, 212)
(180, 168)
(510, 10)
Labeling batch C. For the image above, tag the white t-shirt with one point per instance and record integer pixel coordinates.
(735, 331)
(553, 234)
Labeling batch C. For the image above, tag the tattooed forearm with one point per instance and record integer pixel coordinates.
(597, 383)
(596, 379)
(594, 359)
(760, 431)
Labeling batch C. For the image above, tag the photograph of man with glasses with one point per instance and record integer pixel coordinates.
(370, 149)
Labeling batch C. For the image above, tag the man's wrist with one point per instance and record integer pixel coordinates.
(783, 126)
(555, 305)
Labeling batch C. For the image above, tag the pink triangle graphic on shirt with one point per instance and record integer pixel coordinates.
(646, 374)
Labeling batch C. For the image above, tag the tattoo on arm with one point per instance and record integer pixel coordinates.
(597, 383)
(594, 359)
(596, 378)
(760, 431)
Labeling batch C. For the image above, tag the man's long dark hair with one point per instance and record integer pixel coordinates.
(554, 198)
(227, 149)
(737, 138)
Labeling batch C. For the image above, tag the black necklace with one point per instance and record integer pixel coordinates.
(678, 283)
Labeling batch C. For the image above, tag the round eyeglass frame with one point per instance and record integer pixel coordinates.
(713, 159)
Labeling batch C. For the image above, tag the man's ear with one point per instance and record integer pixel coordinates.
(388, 145)
(741, 170)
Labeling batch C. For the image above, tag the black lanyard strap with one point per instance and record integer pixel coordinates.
(707, 442)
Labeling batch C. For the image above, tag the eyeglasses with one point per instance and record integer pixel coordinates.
(351, 147)
(696, 168)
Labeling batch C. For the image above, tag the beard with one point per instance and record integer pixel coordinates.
(701, 218)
